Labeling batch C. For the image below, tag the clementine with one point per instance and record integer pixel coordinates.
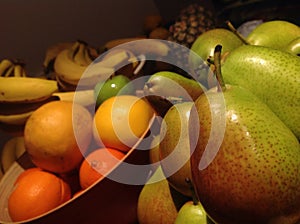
(97, 164)
(36, 192)
(120, 121)
(57, 134)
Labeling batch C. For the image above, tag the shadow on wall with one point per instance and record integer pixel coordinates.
(29, 27)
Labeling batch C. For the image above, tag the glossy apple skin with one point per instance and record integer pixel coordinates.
(115, 85)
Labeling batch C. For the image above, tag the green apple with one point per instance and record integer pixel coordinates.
(115, 85)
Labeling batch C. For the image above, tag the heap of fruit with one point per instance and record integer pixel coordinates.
(226, 151)
(57, 153)
(240, 140)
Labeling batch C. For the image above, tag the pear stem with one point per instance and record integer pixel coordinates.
(217, 63)
(194, 196)
(234, 30)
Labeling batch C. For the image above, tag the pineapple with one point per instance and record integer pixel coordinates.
(191, 22)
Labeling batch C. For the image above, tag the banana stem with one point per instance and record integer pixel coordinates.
(234, 30)
(217, 63)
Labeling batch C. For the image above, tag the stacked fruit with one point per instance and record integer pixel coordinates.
(228, 146)
(239, 141)
(57, 152)
(20, 96)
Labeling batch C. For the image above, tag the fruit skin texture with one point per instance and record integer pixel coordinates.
(15, 89)
(254, 177)
(154, 150)
(203, 49)
(174, 147)
(170, 84)
(112, 87)
(191, 214)
(35, 193)
(98, 163)
(294, 46)
(57, 134)
(155, 202)
(275, 34)
(272, 75)
(120, 121)
(205, 43)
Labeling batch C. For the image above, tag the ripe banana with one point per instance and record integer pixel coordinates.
(67, 69)
(11, 151)
(18, 113)
(80, 54)
(71, 63)
(116, 42)
(29, 89)
(19, 71)
(83, 97)
(5, 65)
(148, 47)
(8, 68)
(15, 119)
(52, 52)
(140, 45)
(9, 72)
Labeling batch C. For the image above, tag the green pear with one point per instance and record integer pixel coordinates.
(174, 147)
(294, 46)
(191, 213)
(205, 43)
(173, 85)
(154, 150)
(203, 49)
(276, 34)
(246, 170)
(272, 75)
(155, 202)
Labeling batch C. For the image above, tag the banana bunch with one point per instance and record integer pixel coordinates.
(51, 54)
(20, 96)
(10, 68)
(141, 46)
(11, 151)
(153, 54)
(75, 66)
(70, 64)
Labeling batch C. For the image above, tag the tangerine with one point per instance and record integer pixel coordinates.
(36, 192)
(57, 134)
(97, 164)
(120, 121)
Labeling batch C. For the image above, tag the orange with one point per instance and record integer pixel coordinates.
(120, 121)
(25, 173)
(56, 135)
(97, 164)
(36, 192)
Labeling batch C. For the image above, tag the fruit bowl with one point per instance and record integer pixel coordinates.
(106, 201)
